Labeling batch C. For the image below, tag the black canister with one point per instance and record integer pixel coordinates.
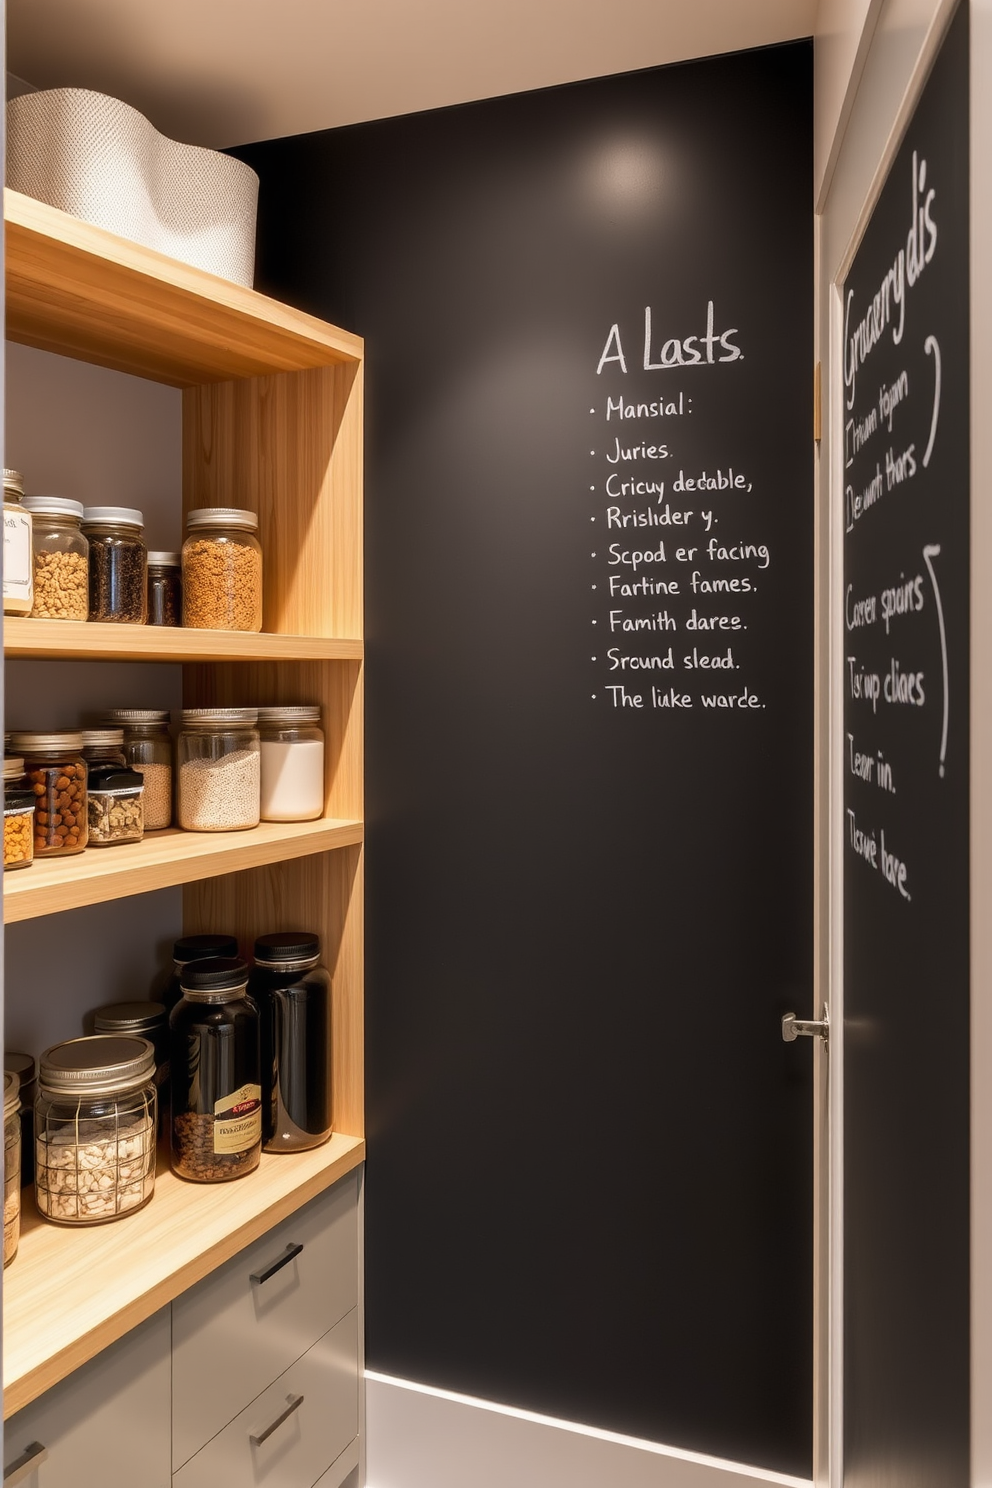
(293, 994)
(216, 1126)
(189, 948)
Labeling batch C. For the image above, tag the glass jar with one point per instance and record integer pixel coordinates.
(218, 768)
(189, 948)
(148, 749)
(216, 1128)
(148, 1020)
(292, 992)
(24, 1067)
(165, 589)
(117, 564)
(11, 1167)
(94, 1129)
(60, 559)
(18, 576)
(18, 815)
(56, 773)
(222, 570)
(114, 811)
(292, 764)
(104, 746)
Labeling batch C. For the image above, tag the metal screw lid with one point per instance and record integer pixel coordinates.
(97, 1065)
(129, 1017)
(137, 715)
(13, 767)
(128, 516)
(221, 516)
(95, 737)
(304, 713)
(48, 743)
(53, 506)
(11, 1093)
(164, 560)
(221, 715)
(13, 483)
(21, 1065)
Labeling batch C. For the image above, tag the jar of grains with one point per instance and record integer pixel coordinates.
(56, 773)
(194, 948)
(218, 768)
(18, 579)
(149, 1020)
(114, 805)
(292, 763)
(117, 564)
(18, 815)
(222, 570)
(148, 749)
(94, 1129)
(215, 1070)
(165, 589)
(104, 746)
(11, 1167)
(61, 558)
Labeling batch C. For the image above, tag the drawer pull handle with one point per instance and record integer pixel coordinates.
(32, 1456)
(294, 1404)
(289, 1254)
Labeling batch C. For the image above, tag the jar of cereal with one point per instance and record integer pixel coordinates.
(222, 570)
(56, 772)
(61, 559)
(18, 815)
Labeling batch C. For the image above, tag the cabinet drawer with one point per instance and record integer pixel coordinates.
(232, 1335)
(295, 1429)
(107, 1425)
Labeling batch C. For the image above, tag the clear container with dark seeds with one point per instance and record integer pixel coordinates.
(118, 564)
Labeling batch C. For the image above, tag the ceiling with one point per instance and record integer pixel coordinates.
(223, 72)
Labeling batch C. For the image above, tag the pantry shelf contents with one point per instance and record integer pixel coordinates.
(55, 640)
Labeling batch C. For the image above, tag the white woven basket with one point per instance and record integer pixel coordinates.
(101, 160)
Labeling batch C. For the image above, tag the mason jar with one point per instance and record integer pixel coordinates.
(222, 570)
(56, 772)
(60, 559)
(18, 815)
(117, 564)
(165, 589)
(18, 578)
(115, 810)
(218, 770)
(292, 763)
(103, 746)
(11, 1167)
(94, 1129)
(148, 749)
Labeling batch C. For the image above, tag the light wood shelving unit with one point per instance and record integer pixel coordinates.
(272, 419)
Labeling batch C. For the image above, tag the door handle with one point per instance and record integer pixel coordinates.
(289, 1254)
(793, 1027)
(294, 1404)
(33, 1456)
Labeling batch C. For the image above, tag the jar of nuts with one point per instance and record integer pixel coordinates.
(61, 558)
(18, 816)
(114, 805)
(56, 773)
(222, 570)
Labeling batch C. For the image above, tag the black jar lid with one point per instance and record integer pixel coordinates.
(217, 977)
(114, 778)
(287, 946)
(199, 947)
(129, 1017)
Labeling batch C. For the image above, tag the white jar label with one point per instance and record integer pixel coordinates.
(238, 1120)
(16, 554)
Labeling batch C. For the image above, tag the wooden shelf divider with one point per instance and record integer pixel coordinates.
(62, 640)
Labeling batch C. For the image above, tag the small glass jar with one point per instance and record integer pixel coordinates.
(165, 589)
(117, 564)
(104, 746)
(56, 773)
(148, 749)
(94, 1129)
(61, 564)
(292, 992)
(24, 1067)
(216, 1128)
(18, 567)
(218, 768)
(18, 815)
(114, 811)
(11, 1167)
(222, 570)
(292, 764)
(149, 1020)
(189, 948)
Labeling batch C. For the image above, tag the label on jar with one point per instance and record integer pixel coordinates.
(238, 1120)
(16, 554)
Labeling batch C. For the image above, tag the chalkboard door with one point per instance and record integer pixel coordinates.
(588, 317)
(906, 807)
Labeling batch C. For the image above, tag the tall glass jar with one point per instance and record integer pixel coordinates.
(222, 570)
(94, 1129)
(292, 763)
(11, 1167)
(18, 815)
(18, 578)
(60, 559)
(215, 1071)
(56, 773)
(165, 589)
(292, 992)
(218, 769)
(148, 749)
(117, 564)
(189, 948)
(104, 746)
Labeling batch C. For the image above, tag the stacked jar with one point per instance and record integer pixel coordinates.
(18, 576)
(60, 558)
(148, 749)
(190, 948)
(11, 1167)
(56, 772)
(165, 589)
(222, 570)
(292, 763)
(18, 815)
(117, 564)
(218, 770)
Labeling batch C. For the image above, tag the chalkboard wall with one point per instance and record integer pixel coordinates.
(588, 318)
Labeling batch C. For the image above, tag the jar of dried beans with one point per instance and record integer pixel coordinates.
(18, 816)
(117, 564)
(114, 809)
(18, 581)
(94, 1129)
(56, 772)
(60, 558)
(148, 749)
(11, 1167)
(218, 765)
(216, 1074)
(165, 589)
(222, 570)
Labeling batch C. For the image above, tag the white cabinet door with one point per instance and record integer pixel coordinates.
(106, 1426)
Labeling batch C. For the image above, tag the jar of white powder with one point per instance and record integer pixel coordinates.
(218, 770)
(292, 763)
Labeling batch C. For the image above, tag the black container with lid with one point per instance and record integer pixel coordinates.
(189, 948)
(293, 994)
(216, 1126)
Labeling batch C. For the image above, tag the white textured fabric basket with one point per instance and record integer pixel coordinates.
(101, 160)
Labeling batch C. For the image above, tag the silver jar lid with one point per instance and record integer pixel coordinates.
(127, 516)
(164, 560)
(129, 1017)
(304, 713)
(221, 516)
(11, 1093)
(53, 506)
(21, 1065)
(100, 1064)
(31, 743)
(247, 716)
(95, 737)
(13, 767)
(125, 716)
(13, 483)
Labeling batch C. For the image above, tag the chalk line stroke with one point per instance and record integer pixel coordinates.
(932, 550)
(932, 348)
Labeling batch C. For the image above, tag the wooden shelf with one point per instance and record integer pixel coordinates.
(83, 292)
(53, 640)
(71, 1292)
(163, 859)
